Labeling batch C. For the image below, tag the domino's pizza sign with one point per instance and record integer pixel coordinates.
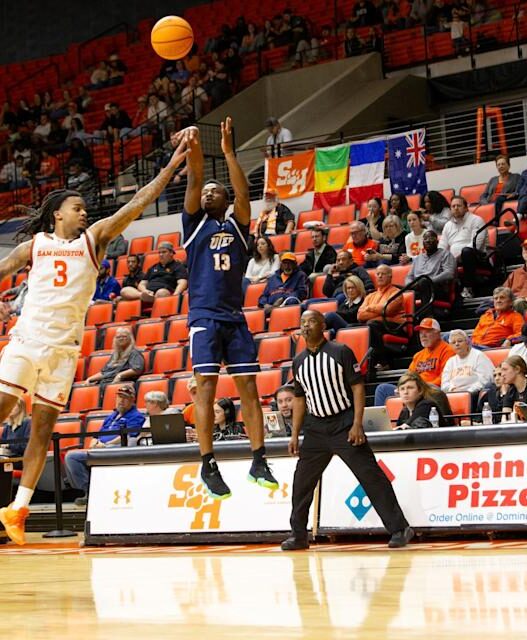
(358, 502)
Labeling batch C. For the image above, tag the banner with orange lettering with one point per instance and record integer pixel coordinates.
(290, 176)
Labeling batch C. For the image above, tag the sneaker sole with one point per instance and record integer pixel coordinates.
(267, 484)
(216, 496)
(19, 541)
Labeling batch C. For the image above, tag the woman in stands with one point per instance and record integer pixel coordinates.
(125, 364)
(414, 240)
(15, 433)
(398, 206)
(225, 425)
(391, 244)
(264, 263)
(435, 210)
(374, 219)
(346, 314)
(418, 400)
(502, 187)
(495, 394)
(514, 372)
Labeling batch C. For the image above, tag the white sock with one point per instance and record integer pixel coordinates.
(23, 497)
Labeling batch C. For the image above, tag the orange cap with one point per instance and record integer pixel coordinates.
(288, 255)
(428, 323)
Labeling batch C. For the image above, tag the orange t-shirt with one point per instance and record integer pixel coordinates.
(359, 253)
(188, 414)
(492, 331)
(498, 190)
(429, 363)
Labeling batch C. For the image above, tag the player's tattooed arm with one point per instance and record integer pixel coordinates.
(16, 260)
(195, 164)
(238, 180)
(107, 229)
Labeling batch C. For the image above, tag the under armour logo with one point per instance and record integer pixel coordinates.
(117, 496)
(282, 490)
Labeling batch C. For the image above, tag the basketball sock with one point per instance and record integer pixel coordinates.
(259, 454)
(206, 461)
(23, 497)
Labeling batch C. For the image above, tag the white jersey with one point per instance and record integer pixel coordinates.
(61, 284)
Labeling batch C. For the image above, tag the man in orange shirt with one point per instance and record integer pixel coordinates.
(371, 312)
(428, 363)
(359, 244)
(499, 325)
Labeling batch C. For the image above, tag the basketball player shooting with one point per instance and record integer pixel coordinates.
(216, 247)
(42, 353)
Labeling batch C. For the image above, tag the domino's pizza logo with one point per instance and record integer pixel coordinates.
(358, 502)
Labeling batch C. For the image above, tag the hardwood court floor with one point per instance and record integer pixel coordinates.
(439, 590)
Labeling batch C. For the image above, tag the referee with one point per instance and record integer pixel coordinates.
(328, 405)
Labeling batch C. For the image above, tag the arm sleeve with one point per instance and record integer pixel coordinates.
(329, 286)
(116, 287)
(448, 269)
(509, 398)
(411, 275)
(136, 361)
(299, 389)
(517, 323)
(301, 288)
(135, 420)
(421, 414)
(489, 190)
(264, 298)
(443, 242)
(249, 271)
(181, 272)
(352, 374)
(446, 376)
(309, 263)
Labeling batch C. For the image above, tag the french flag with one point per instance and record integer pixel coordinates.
(366, 173)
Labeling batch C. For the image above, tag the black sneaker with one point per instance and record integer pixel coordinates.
(213, 482)
(260, 473)
(401, 538)
(294, 544)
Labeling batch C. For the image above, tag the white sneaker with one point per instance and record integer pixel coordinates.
(467, 293)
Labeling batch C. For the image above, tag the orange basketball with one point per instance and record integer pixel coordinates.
(172, 37)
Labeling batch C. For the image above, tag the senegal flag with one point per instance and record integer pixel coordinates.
(331, 176)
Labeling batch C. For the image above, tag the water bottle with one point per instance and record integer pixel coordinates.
(486, 414)
(434, 417)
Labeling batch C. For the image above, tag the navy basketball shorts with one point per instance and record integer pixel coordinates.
(213, 342)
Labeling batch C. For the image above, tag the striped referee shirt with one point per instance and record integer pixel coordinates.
(325, 377)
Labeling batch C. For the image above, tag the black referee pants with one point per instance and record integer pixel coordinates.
(315, 454)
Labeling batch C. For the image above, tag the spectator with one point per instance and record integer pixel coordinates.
(180, 75)
(494, 394)
(117, 123)
(373, 42)
(253, 40)
(134, 275)
(275, 217)
(353, 45)
(81, 154)
(468, 370)
(398, 206)
(166, 278)
(374, 219)
(7, 116)
(124, 415)
(217, 86)
(43, 129)
(264, 262)
(83, 100)
(380, 321)
(277, 133)
(81, 181)
(414, 240)
(99, 77)
(156, 404)
(498, 326)
(517, 283)
(125, 364)
(117, 247)
(514, 372)
(358, 243)
(225, 425)
(418, 401)
(457, 33)
(344, 267)
(157, 109)
(420, 9)
(73, 113)
(107, 287)
(193, 99)
(502, 187)
(141, 115)
(459, 237)
(286, 286)
(364, 14)
(439, 265)
(233, 66)
(284, 398)
(428, 363)
(320, 257)
(16, 430)
(391, 245)
(435, 210)
(188, 411)
(438, 15)
(116, 70)
(346, 313)
(49, 168)
(14, 174)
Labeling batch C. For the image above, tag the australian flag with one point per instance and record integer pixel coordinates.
(407, 162)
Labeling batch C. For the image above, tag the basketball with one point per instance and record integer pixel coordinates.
(172, 37)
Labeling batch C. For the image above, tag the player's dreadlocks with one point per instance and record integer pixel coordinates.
(42, 219)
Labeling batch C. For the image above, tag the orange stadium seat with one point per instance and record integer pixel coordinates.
(73, 428)
(316, 215)
(97, 361)
(84, 398)
(338, 235)
(89, 341)
(358, 340)
(303, 241)
(253, 293)
(99, 313)
(394, 406)
(142, 244)
(226, 387)
(341, 215)
(109, 331)
(150, 333)
(281, 242)
(183, 309)
(110, 395)
(487, 212)
(165, 307)
(268, 382)
(472, 193)
(174, 238)
(285, 318)
(274, 350)
(167, 359)
(255, 320)
(460, 403)
(126, 310)
(413, 200)
(149, 260)
(497, 355)
(180, 393)
(81, 366)
(178, 330)
(318, 284)
(151, 384)
(324, 306)
(122, 267)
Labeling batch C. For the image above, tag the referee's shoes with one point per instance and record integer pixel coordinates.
(398, 540)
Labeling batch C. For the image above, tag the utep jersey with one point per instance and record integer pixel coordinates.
(61, 284)
(216, 260)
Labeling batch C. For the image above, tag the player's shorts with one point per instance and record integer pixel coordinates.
(213, 342)
(45, 372)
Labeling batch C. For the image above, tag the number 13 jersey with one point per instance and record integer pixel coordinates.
(216, 260)
(61, 284)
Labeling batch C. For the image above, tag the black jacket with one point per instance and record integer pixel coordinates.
(328, 256)
(420, 416)
(333, 286)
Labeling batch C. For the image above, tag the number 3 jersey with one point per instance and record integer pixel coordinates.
(61, 284)
(216, 260)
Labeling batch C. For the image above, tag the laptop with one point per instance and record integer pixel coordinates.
(168, 428)
(274, 425)
(376, 419)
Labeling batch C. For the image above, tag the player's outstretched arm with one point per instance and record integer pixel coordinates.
(107, 229)
(240, 186)
(194, 167)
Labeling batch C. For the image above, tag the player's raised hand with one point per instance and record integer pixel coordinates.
(194, 152)
(226, 136)
(180, 153)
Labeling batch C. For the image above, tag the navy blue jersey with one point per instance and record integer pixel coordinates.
(216, 260)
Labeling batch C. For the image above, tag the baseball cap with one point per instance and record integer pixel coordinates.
(271, 122)
(428, 323)
(166, 245)
(287, 255)
(126, 390)
(105, 263)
